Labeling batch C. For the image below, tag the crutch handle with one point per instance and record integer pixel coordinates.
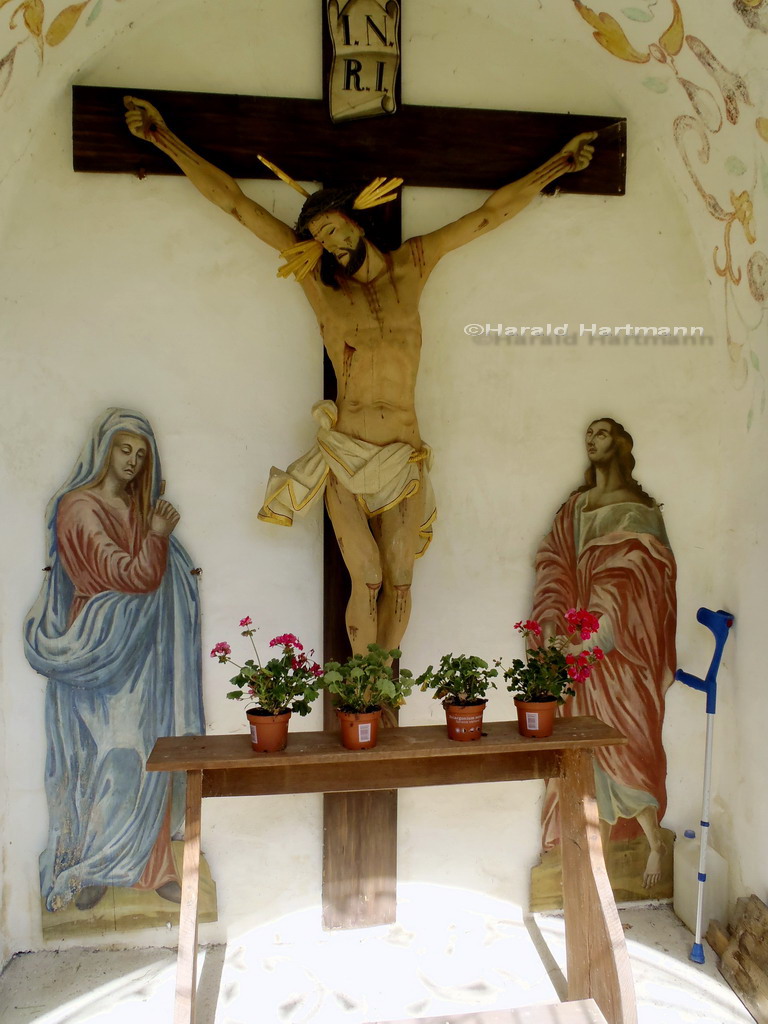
(719, 623)
(705, 685)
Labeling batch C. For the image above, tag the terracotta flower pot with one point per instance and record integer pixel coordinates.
(269, 733)
(464, 722)
(359, 730)
(536, 718)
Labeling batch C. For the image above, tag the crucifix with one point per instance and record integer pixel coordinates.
(426, 146)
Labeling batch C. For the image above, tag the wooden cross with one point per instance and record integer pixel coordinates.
(426, 146)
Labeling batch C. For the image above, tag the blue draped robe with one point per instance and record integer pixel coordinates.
(126, 671)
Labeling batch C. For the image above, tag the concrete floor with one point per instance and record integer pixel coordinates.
(450, 952)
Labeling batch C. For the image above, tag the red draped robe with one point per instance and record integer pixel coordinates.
(615, 561)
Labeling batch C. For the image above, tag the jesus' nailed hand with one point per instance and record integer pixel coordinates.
(374, 470)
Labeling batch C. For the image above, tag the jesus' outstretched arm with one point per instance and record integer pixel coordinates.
(145, 122)
(509, 200)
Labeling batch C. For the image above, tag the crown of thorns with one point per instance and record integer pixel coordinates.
(302, 258)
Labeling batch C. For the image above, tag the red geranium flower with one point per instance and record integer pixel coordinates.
(286, 640)
(582, 622)
(529, 626)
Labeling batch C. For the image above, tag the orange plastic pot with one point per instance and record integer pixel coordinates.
(359, 730)
(269, 733)
(464, 722)
(536, 719)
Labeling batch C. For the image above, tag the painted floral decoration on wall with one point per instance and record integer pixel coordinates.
(722, 141)
(32, 22)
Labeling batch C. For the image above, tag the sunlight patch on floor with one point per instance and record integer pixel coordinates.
(451, 951)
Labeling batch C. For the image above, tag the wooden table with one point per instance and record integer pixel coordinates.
(315, 762)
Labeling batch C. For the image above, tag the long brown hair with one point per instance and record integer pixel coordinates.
(140, 488)
(624, 458)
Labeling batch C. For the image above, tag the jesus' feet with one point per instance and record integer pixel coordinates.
(652, 874)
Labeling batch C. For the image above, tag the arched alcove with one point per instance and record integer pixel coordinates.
(118, 291)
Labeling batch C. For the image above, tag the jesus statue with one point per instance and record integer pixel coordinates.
(369, 460)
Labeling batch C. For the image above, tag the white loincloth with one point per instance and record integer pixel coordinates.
(380, 476)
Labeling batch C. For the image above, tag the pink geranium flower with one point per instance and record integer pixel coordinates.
(286, 640)
(288, 681)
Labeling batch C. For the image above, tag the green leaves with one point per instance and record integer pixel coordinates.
(544, 675)
(283, 684)
(366, 681)
(460, 679)
(387, 688)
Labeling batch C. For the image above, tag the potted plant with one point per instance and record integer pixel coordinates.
(461, 683)
(547, 676)
(361, 687)
(288, 682)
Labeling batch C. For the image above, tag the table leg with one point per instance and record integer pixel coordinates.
(597, 958)
(186, 968)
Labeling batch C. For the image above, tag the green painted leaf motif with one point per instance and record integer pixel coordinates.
(637, 14)
(749, 419)
(656, 84)
(764, 174)
(762, 403)
(735, 166)
(95, 12)
(755, 360)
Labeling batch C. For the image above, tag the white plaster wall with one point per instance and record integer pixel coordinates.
(740, 802)
(121, 292)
